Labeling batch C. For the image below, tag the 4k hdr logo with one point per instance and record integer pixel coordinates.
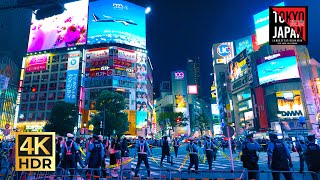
(35, 151)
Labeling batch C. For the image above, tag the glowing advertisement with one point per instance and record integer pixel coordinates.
(242, 44)
(261, 22)
(116, 21)
(59, 31)
(141, 117)
(193, 89)
(36, 63)
(278, 69)
(141, 75)
(289, 104)
(180, 101)
(238, 66)
(223, 52)
(179, 75)
(71, 86)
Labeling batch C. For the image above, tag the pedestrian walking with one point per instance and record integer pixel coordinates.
(68, 151)
(209, 148)
(301, 147)
(124, 148)
(249, 156)
(166, 151)
(95, 153)
(193, 154)
(279, 158)
(143, 151)
(78, 154)
(312, 156)
(176, 145)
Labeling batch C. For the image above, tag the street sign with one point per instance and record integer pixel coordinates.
(225, 131)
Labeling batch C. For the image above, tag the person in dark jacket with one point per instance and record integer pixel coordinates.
(249, 156)
(312, 156)
(95, 153)
(68, 151)
(165, 150)
(58, 151)
(193, 154)
(115, 151)
(279, 158)
(124, 147)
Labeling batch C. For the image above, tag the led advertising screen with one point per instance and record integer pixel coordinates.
(141, 73)
(36, 63)
(289, 103)
(193, 89)
(242, 44)
(223, 52)
(116, 21)
(238, 66)
(59, 31)
(261, 22)
(180, 101)
(278, 69)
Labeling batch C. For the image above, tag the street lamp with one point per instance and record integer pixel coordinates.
(148, 10)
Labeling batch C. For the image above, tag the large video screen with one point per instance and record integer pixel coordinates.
(238, 66)
(278, 69)
(289, 103)
(59, 31)
(116, 21)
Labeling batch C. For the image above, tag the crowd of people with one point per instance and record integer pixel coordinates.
(89, 153)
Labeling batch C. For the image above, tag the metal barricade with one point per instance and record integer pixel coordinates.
(269, 174)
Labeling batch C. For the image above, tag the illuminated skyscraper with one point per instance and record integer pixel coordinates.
(193, 72)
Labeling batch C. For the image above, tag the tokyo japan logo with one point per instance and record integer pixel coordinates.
(288, 25)
(223, 50)
(35, 151)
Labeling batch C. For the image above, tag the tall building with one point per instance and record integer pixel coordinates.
(84, 58)
(193, 72)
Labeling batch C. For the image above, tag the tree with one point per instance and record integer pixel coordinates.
(63, 118)
(202, 122)
(174, 119)
(110, 106)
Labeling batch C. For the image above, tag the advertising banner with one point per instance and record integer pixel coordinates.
(255, 44)
(223, 52)
(261, 22)
(180, 101)
(116, 21)
(4, 82)
(71, 86)
(278, 69)
(73, 63)
(59, 31)
(122, 63)
(142, 92)
(141, 117)
(244, 43)
(289, 104)
(36, 63)
(99, 73)
(262, 110)
(238, 66)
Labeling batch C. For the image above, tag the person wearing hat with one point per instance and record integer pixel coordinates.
(193, 154)
(210, 150)
(143, 151)
(176, 145)
(249, 156)
(312, 156)
(68, 151)
(95, 153)
(301, 147)
(279, 158)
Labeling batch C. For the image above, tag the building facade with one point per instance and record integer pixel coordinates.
(193, 72)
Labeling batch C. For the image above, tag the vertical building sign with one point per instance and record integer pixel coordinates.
(261, 108)
(72, 78)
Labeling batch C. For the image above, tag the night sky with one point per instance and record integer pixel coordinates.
(181, 29)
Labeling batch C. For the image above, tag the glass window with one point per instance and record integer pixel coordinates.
(244, 95)
(62, 85)
(54, 67)
(62, 76)
(27, 79)
(50, 105)
(43, 87)
(63, 66)
(47, 115)
(24, 107)
(32, 106)
(33, 97)
(51, 96)
(36, 78)
(45, 77)
(31, 116)
(25, 97)
(55, 58)
(42, 106)
(40, 116)
(42, 96)
(53, 77)
(60, 95)
(53, 86)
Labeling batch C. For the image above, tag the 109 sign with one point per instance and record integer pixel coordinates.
(35, 151)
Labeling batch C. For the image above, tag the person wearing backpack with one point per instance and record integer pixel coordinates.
(95, 153)
(279, 158)
(312, 156)
(143, 151)
(249, 156)
(68, 151)
(301, 147)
